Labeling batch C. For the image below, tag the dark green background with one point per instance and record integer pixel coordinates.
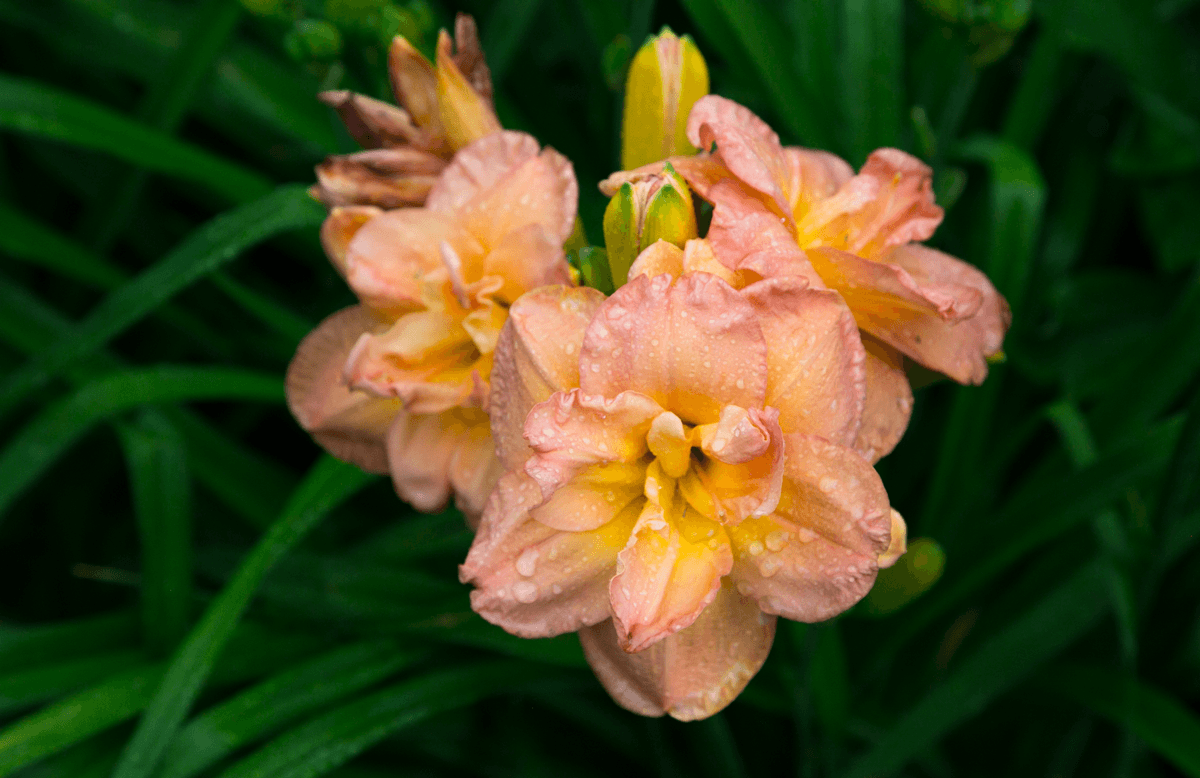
(154, 284)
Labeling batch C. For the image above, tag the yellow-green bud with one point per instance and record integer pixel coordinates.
(666, 78)
(911, 576)
(657, 207)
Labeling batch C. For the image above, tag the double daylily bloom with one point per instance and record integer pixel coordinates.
(400, 382)
(680, 471)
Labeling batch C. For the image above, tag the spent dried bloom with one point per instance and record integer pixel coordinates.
(439, 110)
(798, 212)
(680, 471)
(400, 382)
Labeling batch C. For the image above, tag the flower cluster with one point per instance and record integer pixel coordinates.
(668, 468)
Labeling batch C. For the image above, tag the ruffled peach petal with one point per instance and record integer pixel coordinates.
(923, 320)
(350, 425)
(595, 495)
(813, 176)
(571, 431)
(533, 580)
(537, 355)
(816, 375)
(339, 227)
(692, 344)
(372, 123)
(889, 401)
(527, 258)
(388, 178)
(426, 359)
(664, 580)
(746, 236)
(690, 674)
(479, 168)
(390, 257)
(701, 171)
(698, 257)
(422, 449)
(817, 554)
(743, 475)
(747, 146)
(466, 114)
(929, 266)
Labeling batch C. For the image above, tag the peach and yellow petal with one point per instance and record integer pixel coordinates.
(743, 475)
(929, 266)
(525, 259)
(422, 449)
(815, 360)
(889, 401)
(746, 236)
(690, 674)
(595, 495)
(466, 114)
(924, 321)
(414, 83)
(814, 176)
(904, 211)
(692, 344)
(501, 183)
(748, 147)
(533, 580)
(339, 227)
(537, 355)
(571, 431)
(659, 258)
(350, 425)
(391, 256)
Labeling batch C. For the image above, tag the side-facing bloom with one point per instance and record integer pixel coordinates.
(798, 212)
(400, 382)
(679, 472)
(439, 110)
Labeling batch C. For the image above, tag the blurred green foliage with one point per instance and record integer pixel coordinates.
(191, 589)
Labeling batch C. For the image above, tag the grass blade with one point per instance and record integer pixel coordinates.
(1041, 633)
(23, 647)
(873, 74)
(32, 450)
(43, 111)
(214, 244)
(270, 705)
(333, 739)
(42, 684)
(328, 484)
(1164, 723)
(161, 487)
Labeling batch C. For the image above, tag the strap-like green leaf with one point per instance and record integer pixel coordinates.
(51, 432)
(42, 110)
(327, 485)
(1165, 724)
(1038, 635)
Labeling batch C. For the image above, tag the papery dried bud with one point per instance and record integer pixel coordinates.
(372, 123)
(657, 207)
(388, 178)
(667, 76)
(469, 56)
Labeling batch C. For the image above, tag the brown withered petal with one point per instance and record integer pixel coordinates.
(387, 178)
(469, 56)
(373, 123)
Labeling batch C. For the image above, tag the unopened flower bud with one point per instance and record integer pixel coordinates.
(667, 76)
(657, 207)
(910, 577)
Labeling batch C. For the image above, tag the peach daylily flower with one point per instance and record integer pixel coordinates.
(679, 473)
(400, 382)
(439, 111)
(798, 212)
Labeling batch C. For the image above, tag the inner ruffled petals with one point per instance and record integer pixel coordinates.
(671, 568)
